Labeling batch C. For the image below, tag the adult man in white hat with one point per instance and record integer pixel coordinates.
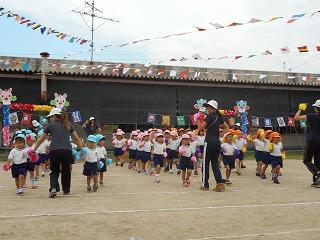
(312, 149)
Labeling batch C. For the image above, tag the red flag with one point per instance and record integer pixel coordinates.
(26, 118)
(184, 74)
(161, 71)
(291, 122)
(318, 48)
(234, 24)
(237, 57)
(303, 49)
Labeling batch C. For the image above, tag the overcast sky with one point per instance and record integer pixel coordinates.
(145, 18)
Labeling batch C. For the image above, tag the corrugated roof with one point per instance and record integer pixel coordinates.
(156, 72)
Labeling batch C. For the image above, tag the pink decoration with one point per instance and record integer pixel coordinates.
(193, 159)
(32, 155)
(182, 150)
(129, 142)
(6, 167)
(6, 136)
(165, 154)
(124, 149)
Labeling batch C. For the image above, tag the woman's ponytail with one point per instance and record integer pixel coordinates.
(64, 120)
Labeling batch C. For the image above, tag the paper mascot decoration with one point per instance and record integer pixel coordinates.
(242, 108)
(202, 111)
(60, 101)
(5, 98)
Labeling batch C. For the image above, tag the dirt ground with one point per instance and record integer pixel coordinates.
(132, 206)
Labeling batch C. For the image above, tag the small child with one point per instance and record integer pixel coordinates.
(229, 151)
(240, 144)
(133, 146)
(119, 144)
(266, 156)
(102, 156)
(146, 154)
(193, 144)
(200, 138)
(172, 149)
(43, 152)
(275, 148)
(259, 152)
(18, 158)
(187, 154)
(167, 138)
(90, 167)
(30, 140)
(140, 147)
(159, 153)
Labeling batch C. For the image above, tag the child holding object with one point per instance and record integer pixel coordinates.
(241, 145)
(90, 167)
(266, 156)
(30, 140)
(159, 154)
(229, 151)
(259, 152)
(275, 148)
(146, 154)
(187, 159)
(102, 156)
(119, 143)
(172, 149)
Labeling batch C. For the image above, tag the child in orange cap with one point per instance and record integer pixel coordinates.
(229, 151)
(266, 155)
(240, 144)
(275, 148)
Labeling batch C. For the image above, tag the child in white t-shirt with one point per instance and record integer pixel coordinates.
(229, 151)
(275, 148)
(102, 156)
(43, 152)
(133, 146)
(119, 143)
(159, 154)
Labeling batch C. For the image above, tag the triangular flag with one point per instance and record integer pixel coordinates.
(173, 60)
(36, 26)
(252, 56)
(303, 49)
(115, 71)
(217, 25)
(147, 65)
(137, 70)
(43, 29)
(262, 76)
(150, 72)
(234, 24)
(125, 70)
(274, 18)
(200, 29)
(197, 74)
(307, 78)
(25, 21)
(291, 122)
(235, 76)
(183, 59)
(295, 18)
(285, 50)
(318, 48)
(104, 68)
(267, 53)
(291, 77)
(161, 71)
(281, 122)
(196, 56)
(173, 73)
(82, 67)
(254, 20)
(237, 57)
(315, 13)
(83, 41)
(184, 74)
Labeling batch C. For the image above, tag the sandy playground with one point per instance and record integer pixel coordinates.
(132, 206)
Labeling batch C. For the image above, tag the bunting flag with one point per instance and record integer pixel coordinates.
(76, 117)
(184, 74)
(295, 18)
(267, 122)
(151, 118)
(165, 120)
(196, 56)
(285, 50)
(237, 57)
(26, 118)
(262, 76)
(274, 18)
(161, 71)
(255, 121)
(217, 25)
(181, 121)
(307, 78)
(254, 20)
(235, 24)
(137, 70)
(291, 122)
(281, 122)
(43, 29)
(235, 76)
(318, 48)
(303, 49)
(267, 53)
(315, 13)
(173, 73)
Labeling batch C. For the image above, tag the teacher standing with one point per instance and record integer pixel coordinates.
(312, 149)
(60, 152)
(212, 145)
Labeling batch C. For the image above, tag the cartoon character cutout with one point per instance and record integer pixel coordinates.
(202, 111)
(242, 108)
(60, 101)
(6, 96)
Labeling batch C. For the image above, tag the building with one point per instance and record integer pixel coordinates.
(121, 94)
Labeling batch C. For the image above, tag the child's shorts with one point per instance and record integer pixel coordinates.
(201, 148)
(158, 160)
(185, 163)
(171, 154)
(30, 166)
(43, 158)
(117, 152)
(90, 169)
(229, 160)
(266, 158)
(240, 157)
(259, 155)
(276, 161)
(146, 156)
(132, 154)
(104, 168)
(139, 155)
(19, 169)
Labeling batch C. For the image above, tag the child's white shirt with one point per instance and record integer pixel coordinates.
(147, 146)
(102, 152)
(43, 147)
(200, 140)
(140, 148)
(240, 143)
(188, 151)
(259, 145)
(194, 145)
(266, 143)
(159, 148)
(174, 144)
(277, 149)
(18, 156)
(119, 143)
(134, 144)
(92, 156)
(228, 149)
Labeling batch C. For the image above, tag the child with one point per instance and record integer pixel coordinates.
(229, 151)
(30, 140)
(140, 147)
(159, 153)
(167, 138)
(240, 144)
(43, 153)
(266, 155)
(172, 149)
(186, 165)
(133, 145)
(119, 144)
(146, 154)
(90, 167)
(193, 144)
(275, 148)
(200, 139)
(18, 158)
(102, 156)
(259, 152)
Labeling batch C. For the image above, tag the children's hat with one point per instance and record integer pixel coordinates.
(20, 136)
(192, 136)
(260, 132)
(138, 131)
(159, 135)
(185, 136)
(174, 133)
(167, 131)
(238, 132)
(91, 118)
(174, 130)
(181, 129)
(35, 123)
(28, 132)
(275, 135)
(134, 133)
(119, 133)
(92, 138)
(100, 137)
(268, 132)
(159, 131)
(145, 134)
(40, 133)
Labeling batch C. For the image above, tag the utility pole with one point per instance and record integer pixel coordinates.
(44, 69)
(92, 13)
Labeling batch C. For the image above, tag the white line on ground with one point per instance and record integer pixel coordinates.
(129, 211)
(259, 234)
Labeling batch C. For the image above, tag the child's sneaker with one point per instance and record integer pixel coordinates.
(121, 164)
(166, 169)
(204, 188)
(17, 191)
(238, 172)
(258, 174)
(243, 166)
(36, 179)
(178, 172)
(53, 193)
(263, 176)
(276, 181)
(171, 171)
(95, 187)
(280, 174)
(228, 182)
(101, 183)
(89, 189)
(20, 192)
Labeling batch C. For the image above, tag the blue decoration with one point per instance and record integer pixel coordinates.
(78, 156)
(85, 151)
(26, 67)
(6, 114)
(101, 164)
(109, 161)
